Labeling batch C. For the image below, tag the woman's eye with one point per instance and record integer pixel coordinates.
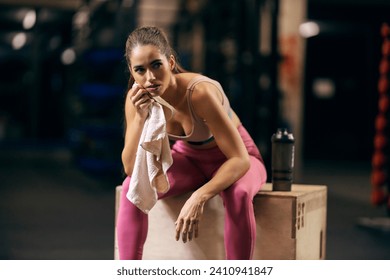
(157, 65)
(139, 70)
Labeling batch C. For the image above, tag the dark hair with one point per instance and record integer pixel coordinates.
(150, 35)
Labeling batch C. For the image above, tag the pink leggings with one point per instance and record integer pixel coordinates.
(190, 170)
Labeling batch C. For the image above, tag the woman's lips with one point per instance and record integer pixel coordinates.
(153, 88)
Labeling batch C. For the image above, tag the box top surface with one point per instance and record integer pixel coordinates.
(296, 190)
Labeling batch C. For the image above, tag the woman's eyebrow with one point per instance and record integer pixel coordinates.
(151, 63)
(137, 66)
(156, 60)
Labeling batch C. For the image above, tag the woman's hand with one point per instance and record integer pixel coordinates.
(188, 221)
(141, 100)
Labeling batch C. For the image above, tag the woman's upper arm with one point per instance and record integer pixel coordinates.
(208, 106)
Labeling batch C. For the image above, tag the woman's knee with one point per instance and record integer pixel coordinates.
(127, 211)
(237, 200)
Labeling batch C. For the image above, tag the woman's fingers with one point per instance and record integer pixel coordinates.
(193, 231)
(140, 99)
(196, 229)
(143, 102)
(187, 224)
(179, 225)
(187, 229)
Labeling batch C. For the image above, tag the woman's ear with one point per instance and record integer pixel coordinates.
(172, 62)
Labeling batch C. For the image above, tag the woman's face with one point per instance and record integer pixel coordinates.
(151, 69)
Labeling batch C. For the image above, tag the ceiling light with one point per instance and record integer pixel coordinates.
(68, 56)
(29, 19)
(309, 29)
(19, 40)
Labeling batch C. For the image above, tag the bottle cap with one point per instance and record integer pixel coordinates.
(282, 134)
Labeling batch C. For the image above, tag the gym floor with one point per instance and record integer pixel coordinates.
(50, 210)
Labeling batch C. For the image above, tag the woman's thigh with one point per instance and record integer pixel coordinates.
(184, 176)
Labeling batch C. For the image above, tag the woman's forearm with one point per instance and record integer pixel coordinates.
(228, 173)
(132, 136)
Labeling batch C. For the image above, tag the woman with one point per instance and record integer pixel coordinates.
(212, 154)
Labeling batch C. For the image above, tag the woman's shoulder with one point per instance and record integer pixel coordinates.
(191, 79)
(199, 87)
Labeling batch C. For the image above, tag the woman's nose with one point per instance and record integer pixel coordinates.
(150, 75)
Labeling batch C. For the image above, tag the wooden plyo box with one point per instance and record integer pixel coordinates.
(290, 225)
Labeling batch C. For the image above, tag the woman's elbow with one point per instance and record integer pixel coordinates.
(246, 164)
(127, 167)
(243, 165)
(127, 170)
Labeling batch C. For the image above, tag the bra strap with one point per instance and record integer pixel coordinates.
(161, 101)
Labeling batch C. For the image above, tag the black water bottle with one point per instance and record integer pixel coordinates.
(282, 160)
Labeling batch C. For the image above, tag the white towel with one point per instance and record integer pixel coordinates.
(152, 161)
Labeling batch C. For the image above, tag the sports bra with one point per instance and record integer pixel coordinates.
(200, 133)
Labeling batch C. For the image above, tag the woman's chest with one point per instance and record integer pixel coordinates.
(181, 124)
